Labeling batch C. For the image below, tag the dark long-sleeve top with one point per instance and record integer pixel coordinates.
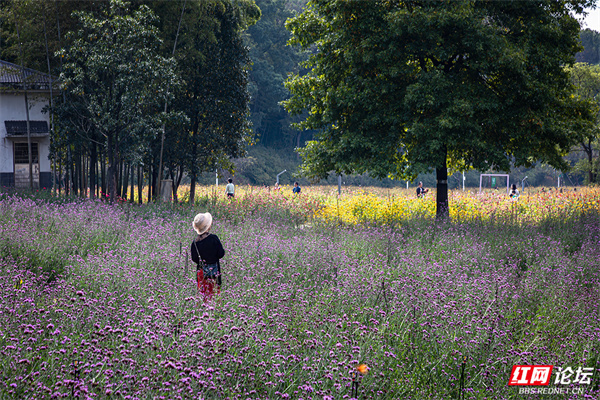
(210, 248)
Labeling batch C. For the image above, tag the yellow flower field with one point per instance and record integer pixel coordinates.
(377, 206)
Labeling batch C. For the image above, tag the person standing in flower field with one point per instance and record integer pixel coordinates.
(514, 192)
(297, 189)
(421, 191)
(207, 250)
(230, 189)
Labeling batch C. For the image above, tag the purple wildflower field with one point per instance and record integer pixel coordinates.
(99, 301)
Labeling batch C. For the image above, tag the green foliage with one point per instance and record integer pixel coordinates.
(38, 22)
(262, 165)
(401, 88)
(114, 73)
(214, 63)
(591, 47)
(272, 61)
(586, 79)
(131, 52)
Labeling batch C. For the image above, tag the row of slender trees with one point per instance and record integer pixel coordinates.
(146, 89)
(86, 175)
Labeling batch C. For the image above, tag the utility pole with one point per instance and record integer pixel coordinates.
(162, 140)
(51, 106)
(23, 79)
(285, 170)
(523, 184)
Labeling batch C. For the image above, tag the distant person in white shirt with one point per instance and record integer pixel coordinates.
(514, 192)
(230, 189)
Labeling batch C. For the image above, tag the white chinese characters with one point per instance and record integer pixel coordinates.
(564, 376)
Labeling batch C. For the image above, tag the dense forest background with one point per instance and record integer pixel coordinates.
(276, 140)
(271, 60)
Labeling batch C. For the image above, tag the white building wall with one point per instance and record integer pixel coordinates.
(6, 151)
(12, 108)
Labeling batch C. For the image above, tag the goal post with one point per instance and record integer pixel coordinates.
(504, 175)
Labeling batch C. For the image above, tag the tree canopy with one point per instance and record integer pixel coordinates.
(401, 88)
(272, 61)
(214, 98)
(591, 47)
(124, 64)
(586, 79)
(114, 72)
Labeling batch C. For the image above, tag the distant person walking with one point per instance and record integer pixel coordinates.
(206, 251)
(230, 189)
(514, 192)
(297, 189)
(421, 191)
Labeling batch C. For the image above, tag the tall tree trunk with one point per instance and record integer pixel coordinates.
(97, 183)
(64, 98)
(155, 193)
(173, 187)
(112, 169)
(51, 102)
(103, 175)
(176, 181)
(162, 140)
(140, 183)
(84, 186)
(93, 162)
(590, 153)
(74, 191)
(59, 185)
(119, 171)
(132, 172)
(77, 166)
(193, 172)
(68, 172)
(149, 182)
(125, 180)
(442, 211)
(80, 173)
(180, 176)
(193, 188)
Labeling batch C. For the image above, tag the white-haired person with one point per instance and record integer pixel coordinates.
(207, 250)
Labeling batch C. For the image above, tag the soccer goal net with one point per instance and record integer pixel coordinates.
(491, 181)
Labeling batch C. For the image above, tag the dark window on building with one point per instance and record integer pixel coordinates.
(18, 128)
(22, 155)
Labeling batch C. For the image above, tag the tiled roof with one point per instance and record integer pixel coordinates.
(12, 77)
